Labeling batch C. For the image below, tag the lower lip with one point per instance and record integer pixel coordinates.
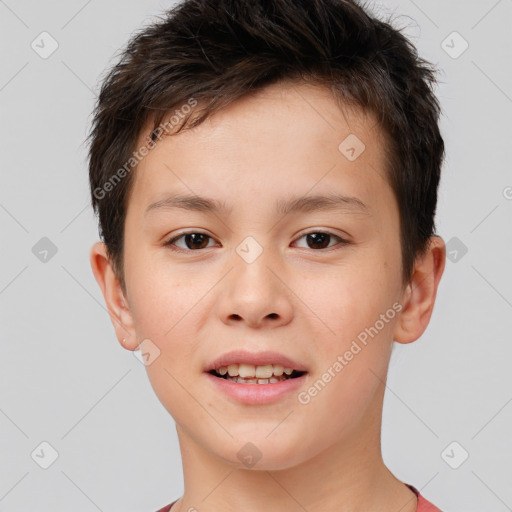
(254, 394)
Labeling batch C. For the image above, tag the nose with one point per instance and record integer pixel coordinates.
(255, 294)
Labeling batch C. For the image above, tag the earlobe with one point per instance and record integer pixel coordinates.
(420, 295)
(113, 295)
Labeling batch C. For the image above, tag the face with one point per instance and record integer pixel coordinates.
(319, 284)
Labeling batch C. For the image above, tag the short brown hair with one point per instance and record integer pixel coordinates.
(217, 51)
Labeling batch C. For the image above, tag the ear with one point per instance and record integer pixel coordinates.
(420, 294)
(115, 299)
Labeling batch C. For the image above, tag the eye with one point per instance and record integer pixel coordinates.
(321, 239)
(193, 240)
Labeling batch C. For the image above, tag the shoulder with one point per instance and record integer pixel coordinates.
(167, 508)
(423, 504)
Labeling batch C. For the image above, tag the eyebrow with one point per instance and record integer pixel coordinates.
(305, 204)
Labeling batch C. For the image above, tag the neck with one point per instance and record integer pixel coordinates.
(348, 476)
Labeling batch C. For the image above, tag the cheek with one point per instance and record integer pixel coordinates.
(170, 306)
(352, 344)
(159, 294)
(165, 308)
(348, 299)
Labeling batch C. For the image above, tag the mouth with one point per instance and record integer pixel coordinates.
(256, 378)
(256, 374)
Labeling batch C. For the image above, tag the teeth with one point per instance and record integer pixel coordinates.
(248, 371)
(233, 370)
(278, 370)
(241, 380)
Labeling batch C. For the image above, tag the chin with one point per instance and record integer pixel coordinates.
(255, 453)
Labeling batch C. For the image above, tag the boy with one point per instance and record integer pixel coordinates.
(265, 175)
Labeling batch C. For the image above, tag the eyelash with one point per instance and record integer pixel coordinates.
(170, 243)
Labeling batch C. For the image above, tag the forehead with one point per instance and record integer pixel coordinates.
(285, 140)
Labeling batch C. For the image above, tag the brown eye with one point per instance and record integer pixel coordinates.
(193, 241)
(320, 240)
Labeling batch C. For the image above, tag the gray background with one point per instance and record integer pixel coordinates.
(64, 378)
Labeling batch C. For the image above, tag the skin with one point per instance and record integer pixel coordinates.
(296, 298)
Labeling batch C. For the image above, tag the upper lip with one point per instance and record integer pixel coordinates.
(254, 358)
